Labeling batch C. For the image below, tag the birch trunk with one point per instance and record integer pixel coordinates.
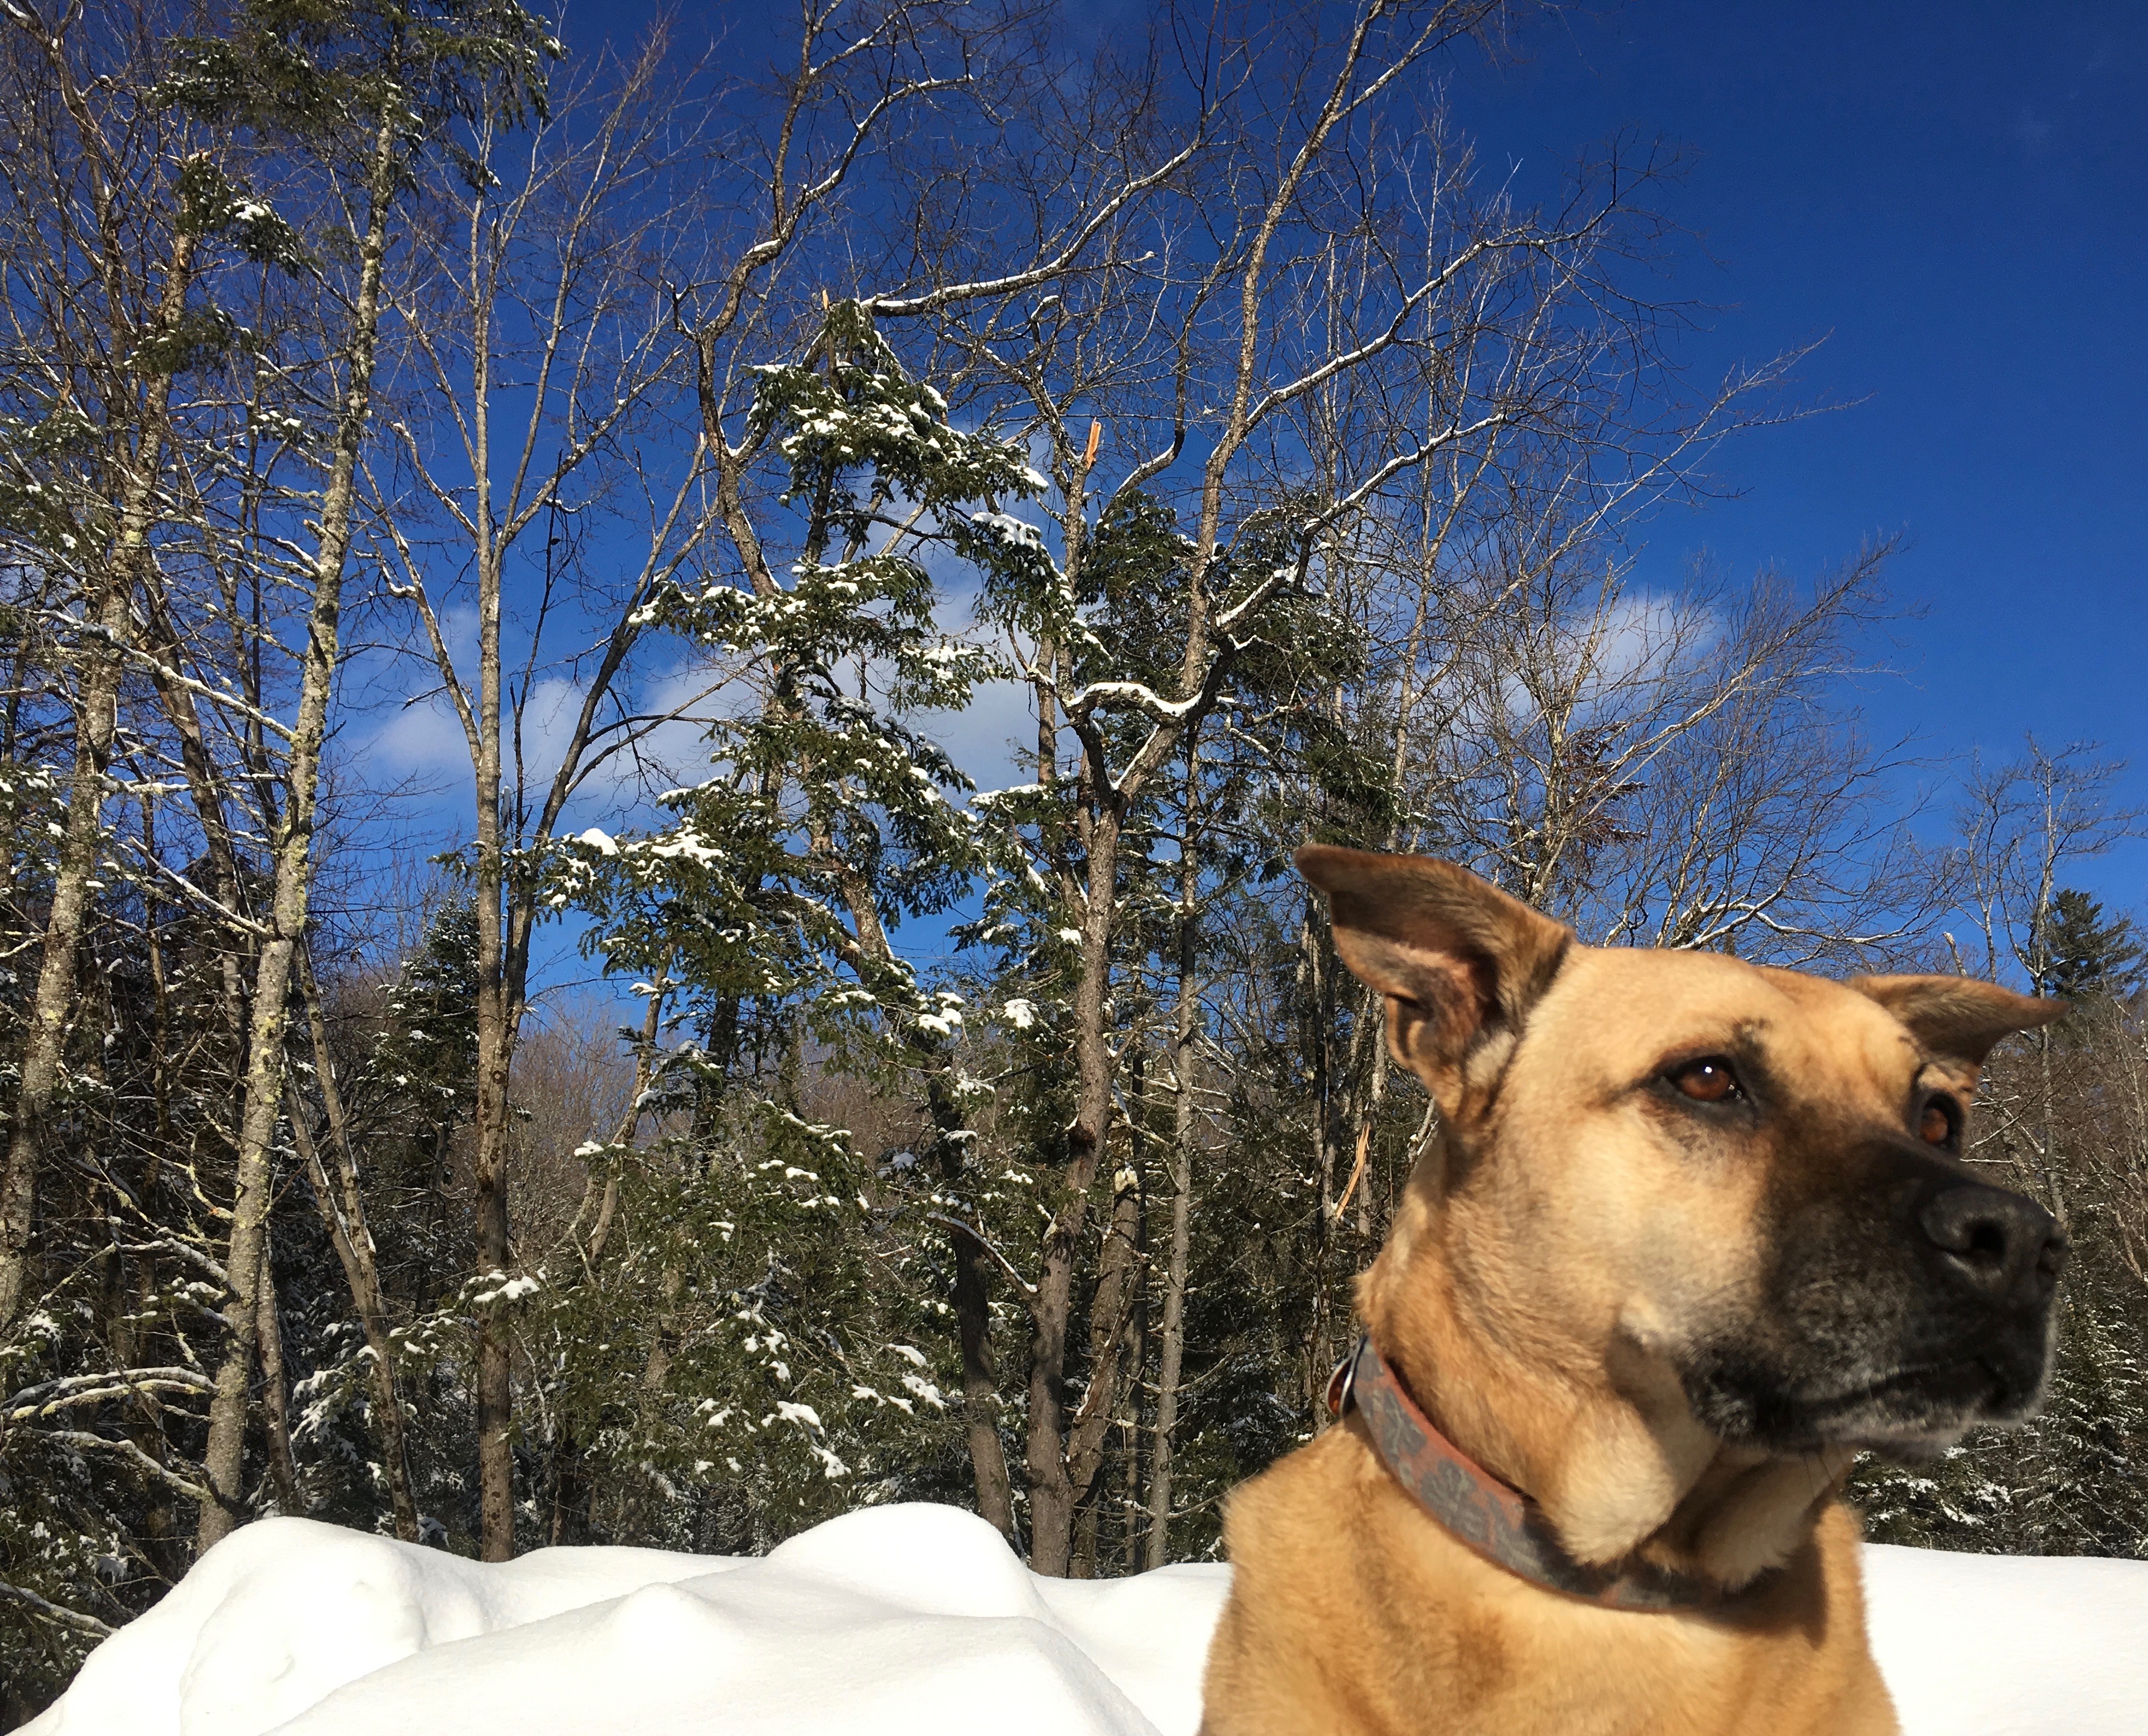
(224, 1463)
(501, 987)
(1172, 1353)
(97, 722)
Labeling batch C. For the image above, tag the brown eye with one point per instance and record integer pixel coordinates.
(1708, 1080)
(1936, 1127)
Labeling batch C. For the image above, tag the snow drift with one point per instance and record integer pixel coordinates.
(903, 1619)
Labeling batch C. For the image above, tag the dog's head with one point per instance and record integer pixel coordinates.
(1721, 1204)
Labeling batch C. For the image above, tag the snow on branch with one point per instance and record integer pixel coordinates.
(1006, 1266)
(1131, 696)
(48, 1611)
(133, 1455)
(76, 1389)
(1047, 270)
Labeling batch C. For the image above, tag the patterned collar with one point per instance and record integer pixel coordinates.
(1500, 1523)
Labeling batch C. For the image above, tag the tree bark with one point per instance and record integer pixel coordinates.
(1171, 1355)
(498, 1022)
(97, 722)
(1052, 1493)
(951, 1142)
(1110, 1319)
(275, 1396)
(973, 1317)
(342, 1205)
(223, 1463)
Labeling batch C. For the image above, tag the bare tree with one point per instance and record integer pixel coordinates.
(2020, 822)
(543, 324)
(342, 1203)
(1208, 362)
(860, 77)
(1657, 766)
(293, 857)
(483, 61)
(101, 267)
(1185, 1061)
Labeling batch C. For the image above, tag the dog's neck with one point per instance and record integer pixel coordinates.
(1617, 1462)
(1498, 1522)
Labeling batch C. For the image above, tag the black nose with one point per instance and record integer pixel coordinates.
(1999, 1245)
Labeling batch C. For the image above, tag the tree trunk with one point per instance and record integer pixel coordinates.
(1173, 1353)
(644, 1496)
(1111, 1316)
(495, 1391)
(275, 1395)
(223, 1463)
(97, 722)
(981, 1393)
(145, 1425)
(1130, 1457)
(343, 1209)
(1317, 965)
(1052, 1493)
(572, 1493)
(973, 1317)
(951, 1142)
(501, 986)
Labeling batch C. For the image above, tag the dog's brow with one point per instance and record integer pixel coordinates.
(1932, 1074)
(1732, 1036)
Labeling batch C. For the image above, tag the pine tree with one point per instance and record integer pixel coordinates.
(791, 1284)
(2090, 954)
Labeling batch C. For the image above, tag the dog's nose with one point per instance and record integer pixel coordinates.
(2003, 1247)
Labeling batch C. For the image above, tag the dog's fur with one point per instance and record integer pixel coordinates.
(1670, 1322)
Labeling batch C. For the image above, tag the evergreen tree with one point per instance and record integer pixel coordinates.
(426, 1053)
(2089, 953)
(793, 1282)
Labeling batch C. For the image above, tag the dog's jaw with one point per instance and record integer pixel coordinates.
(1620, 1465)
(1742, 1519)
(1906, 1408)
(1643, 1476)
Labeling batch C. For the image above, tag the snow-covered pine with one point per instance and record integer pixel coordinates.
(767, 909)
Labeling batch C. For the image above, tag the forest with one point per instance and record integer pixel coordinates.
(654, 697)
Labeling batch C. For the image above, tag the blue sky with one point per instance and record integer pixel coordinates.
(1955, 196)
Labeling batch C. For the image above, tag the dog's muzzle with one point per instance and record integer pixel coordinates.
(1902, 1309)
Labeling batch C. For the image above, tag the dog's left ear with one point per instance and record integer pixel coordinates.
(1459, 961)
(1956, 1019)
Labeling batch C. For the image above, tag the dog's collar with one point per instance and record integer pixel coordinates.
(1500, 1523)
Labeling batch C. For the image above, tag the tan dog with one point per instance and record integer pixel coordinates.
(1692, 1234)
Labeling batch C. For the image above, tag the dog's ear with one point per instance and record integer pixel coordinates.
(1459, 961)
(1956, 1019)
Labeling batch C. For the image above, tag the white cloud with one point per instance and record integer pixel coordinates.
(1608, 660)
(993, 740)
(422, 736)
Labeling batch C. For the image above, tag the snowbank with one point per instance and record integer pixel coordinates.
(904, 1620)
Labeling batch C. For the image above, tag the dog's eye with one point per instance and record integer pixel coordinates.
(1708, 1080)
(1940, 1121)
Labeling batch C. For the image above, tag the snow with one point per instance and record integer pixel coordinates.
(2006, 1645)
(901, 1619)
